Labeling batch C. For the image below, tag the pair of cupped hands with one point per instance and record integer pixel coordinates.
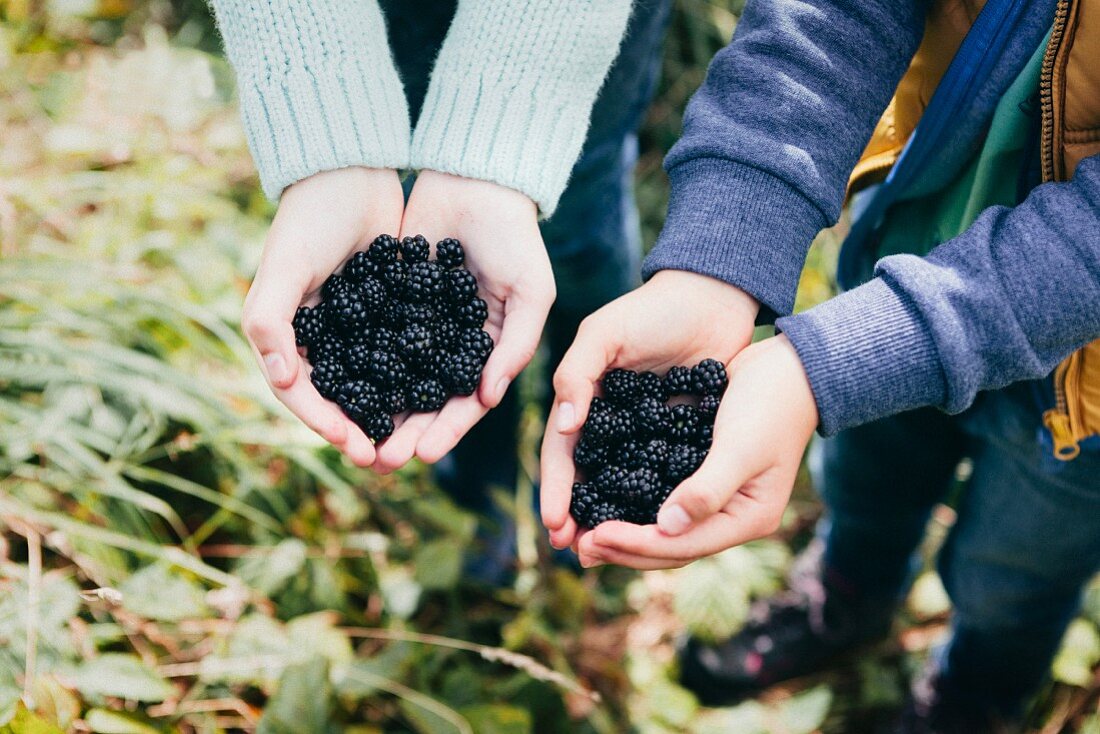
(678, 318)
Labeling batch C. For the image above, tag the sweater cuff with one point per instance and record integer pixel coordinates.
(739, 224)
(868, 354)
(512, 90)
(317, 86)
(316, 120)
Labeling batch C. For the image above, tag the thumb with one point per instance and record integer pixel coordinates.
(581, 367)
(267, 322)
(705, 492)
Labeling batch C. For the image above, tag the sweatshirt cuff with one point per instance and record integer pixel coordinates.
(512, 90)
(739, 224)
(314, 119)
(868, 354)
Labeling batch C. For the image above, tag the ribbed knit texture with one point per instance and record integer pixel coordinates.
(317, 85)
(512, 90)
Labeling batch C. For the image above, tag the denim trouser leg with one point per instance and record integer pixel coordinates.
(879, 483)
(1026, 540)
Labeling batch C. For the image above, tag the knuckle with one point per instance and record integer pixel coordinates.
(702, 500)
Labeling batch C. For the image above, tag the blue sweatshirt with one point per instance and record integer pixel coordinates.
(769, 141)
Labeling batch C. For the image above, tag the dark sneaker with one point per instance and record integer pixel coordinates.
(933, 708)
(792, 634)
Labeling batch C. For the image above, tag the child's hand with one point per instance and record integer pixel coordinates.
(321, 221)
(498, 228)
(677, 318)
(766, 418)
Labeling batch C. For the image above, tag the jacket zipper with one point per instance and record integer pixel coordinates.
(1058, 419)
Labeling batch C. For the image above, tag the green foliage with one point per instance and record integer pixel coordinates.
(178, 555)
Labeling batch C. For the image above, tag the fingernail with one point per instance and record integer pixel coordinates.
(590, 562)
(673, 520)
(502, 387)
(276, 367)
(567, 416)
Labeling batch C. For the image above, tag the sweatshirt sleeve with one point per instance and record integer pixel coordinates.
(512, 90)
(771, 136)
(317, 84)
(1003, 302)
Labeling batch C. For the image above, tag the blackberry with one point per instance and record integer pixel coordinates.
(373, 292)
(432, 364)
(603, 512)
(414, 342)
(461, 373)
(709, 378)
(352, 310)
(650, 385)
(460, 286)
(685, 423)
(704, 437)
(358, 399)
(620, 387)
(581, 502)
(309, 325)
(678, 380)
(384, 369)
(394, 275)
(683, 460)
(449, 253)
(327, 376)
(424, 282)
(655, 455)
(360, 267)
(472, 313)
(447, 332)
(638, 486)
(357, 359)
(629, 455)
(652, 417)
(394, 401)
(609, 481)
(417, 313)
(609, 425)
(330, 348)
(377, 425)
(415, 249)
(383, 250)
(335, 285)
(475, 340)
(425, 396)
(589, 456)
(708, 408)
(384, 339)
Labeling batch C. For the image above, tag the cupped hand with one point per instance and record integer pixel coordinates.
(739, 493)
(498, 228)
(677, 318)
(321, 221)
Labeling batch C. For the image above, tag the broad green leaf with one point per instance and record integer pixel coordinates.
(400, 593)
(157, 592)
(270, 571)
(1079, 654)
(746, 718)
(54, 702)
(25, 722)
(120, 675)
(438, 564)
(806, 712)
(302, 703)
(105, 721)
(711, 602)
(498, 718)
(314, 635)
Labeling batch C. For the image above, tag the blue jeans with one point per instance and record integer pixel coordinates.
(593, 238)
(1027, 537)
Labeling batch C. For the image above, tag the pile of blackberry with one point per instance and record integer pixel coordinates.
(396, 331)
(636, 446)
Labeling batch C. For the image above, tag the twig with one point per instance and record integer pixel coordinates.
(527, 664)
(416, 698)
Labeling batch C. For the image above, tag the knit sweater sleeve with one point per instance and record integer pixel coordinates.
(512, 90)
(771, 136)
(317, 84)
(1003, 302)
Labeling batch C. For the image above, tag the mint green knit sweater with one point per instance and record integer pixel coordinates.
(509, 99)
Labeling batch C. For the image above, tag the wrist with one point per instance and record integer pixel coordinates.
(796, 381)
(727, 299)
(475, 192)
